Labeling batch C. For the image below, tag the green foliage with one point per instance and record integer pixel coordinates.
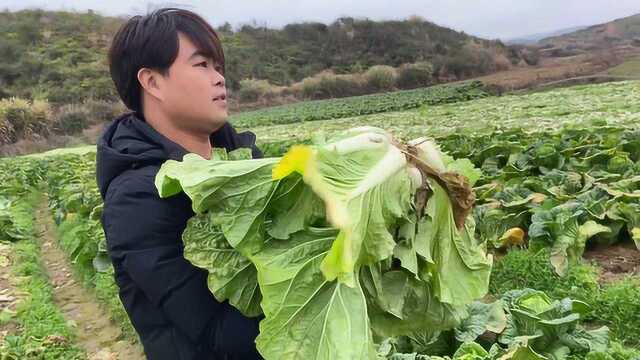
(537, 153)
(76, 206)
(20, 118)
(468, 61)
(347, 45)
(71, 119)
(329, 85)
(253, 89)
(618, 306)
(551, 327)
(522, 324)
(380, 77)
(43, 332)
(102, 110)
(618, 103)
(360, 105)
(566, 187)
(593, 164)
(615, 304)
(326, 243)
(18, 176)
(615, 352)
(81, 238)
(24, 119)
(526, 269)
(415, 75)
(16, 219)
(61, 56)
(57, 56)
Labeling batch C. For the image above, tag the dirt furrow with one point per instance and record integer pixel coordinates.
(101, 338)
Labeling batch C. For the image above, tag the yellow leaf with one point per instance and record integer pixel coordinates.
(538, 198)
(635, 235)
(513, 237)
(295, 160)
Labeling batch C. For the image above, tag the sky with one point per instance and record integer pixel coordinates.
(504, 19)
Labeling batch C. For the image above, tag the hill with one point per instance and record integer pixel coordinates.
(61, 56)
(619, 32)
(534, 38)
(58, 56)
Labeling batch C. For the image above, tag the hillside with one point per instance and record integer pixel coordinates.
(58, 56)
(349, 45)
(61, 56)
(619, 32)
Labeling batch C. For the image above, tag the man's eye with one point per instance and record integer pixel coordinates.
(202, 63)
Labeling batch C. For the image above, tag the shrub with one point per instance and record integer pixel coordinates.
(470, 60)
(41, 119)
(20, 118)
(531, 56)
(6, 130)
(71, 119)
(328, 85)
(16, 112)
(415, 75)
(502, 62)
(100, 110)
(380, 77)
(253, 90)
(310, 88)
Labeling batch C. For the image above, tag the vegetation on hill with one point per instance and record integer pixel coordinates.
(623, 31)
(61, 56)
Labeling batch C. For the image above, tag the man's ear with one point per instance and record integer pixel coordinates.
(149, 81)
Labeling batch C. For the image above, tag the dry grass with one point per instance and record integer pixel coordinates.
(30, 146)
(555, 69)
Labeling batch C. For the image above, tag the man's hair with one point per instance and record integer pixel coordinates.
(151, 41)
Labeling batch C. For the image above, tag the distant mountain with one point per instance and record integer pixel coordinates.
(534, 38)
(622, 31)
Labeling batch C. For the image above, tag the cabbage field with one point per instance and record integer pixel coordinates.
(355, 236)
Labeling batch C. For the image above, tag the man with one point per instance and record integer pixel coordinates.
(168, 68)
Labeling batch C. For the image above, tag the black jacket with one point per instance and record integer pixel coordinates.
(165, 296)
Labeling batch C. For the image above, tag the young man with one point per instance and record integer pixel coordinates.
(168, 68)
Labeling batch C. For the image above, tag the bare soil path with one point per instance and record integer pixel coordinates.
(101, 338)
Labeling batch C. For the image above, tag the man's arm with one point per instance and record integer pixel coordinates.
(143, 230)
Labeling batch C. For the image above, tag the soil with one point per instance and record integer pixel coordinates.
(9, 295)
(101, 338)
(617, 261)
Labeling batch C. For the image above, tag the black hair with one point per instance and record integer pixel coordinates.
(151, 41)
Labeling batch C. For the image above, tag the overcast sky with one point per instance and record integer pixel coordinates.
(487, 18)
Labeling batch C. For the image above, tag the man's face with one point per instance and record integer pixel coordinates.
(189, 90)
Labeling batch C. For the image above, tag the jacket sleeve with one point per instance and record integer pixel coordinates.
(144, 234)
(142, 231)
(232, 335)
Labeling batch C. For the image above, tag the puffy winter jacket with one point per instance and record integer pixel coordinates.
(165, 296)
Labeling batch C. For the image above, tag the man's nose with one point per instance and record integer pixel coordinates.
(218, 79)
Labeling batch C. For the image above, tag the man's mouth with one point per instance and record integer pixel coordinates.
(221, 97)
